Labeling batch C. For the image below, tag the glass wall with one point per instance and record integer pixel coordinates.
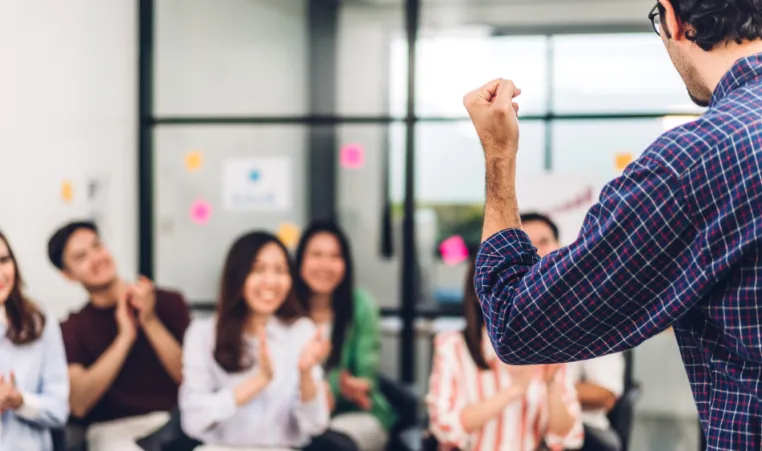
(229, 85)
(589, 106)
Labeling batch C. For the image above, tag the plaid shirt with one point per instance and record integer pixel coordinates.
(675, 241)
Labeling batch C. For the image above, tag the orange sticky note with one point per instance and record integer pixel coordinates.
(193, 161)
(289, 234)
(67, 191)
(622, 160)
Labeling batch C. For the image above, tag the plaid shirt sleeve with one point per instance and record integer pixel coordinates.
(609, 291)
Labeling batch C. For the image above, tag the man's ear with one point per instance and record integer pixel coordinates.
(671, 25)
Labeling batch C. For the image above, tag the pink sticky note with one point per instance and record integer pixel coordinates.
(352, 156)
(454, 250)
(200, 212)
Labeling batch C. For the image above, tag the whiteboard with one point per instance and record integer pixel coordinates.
(189, 254)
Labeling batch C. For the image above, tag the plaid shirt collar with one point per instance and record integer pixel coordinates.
(743, 72)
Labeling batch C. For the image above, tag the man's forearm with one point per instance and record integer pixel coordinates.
(307, 386)
(89, 385)
(593, 396)
(560, 420)
(502, 210)
(167, 348)
(476, 415)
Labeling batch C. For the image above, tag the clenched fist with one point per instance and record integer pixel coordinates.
(495, 117)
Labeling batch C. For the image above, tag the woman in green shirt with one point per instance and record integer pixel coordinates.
(349, 316)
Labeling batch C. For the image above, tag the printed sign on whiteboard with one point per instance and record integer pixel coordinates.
(257, 184)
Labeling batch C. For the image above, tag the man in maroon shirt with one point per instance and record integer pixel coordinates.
(123, 347)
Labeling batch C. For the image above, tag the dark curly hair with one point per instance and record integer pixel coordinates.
(711, 22)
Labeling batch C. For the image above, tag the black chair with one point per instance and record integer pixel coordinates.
(169, 437)
(58, 437)
(71, 437)
(404, 400)
(622, 415)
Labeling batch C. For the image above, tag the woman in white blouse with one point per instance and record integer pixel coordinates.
(477, 403)
(34, 382)
(251, 375)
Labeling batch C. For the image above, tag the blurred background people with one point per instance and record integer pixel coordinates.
(476, 402)
(600, 381)
(123, 347)
(348, 316)
(252, 374)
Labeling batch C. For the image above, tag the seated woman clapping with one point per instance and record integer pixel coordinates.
(476, 402)
(348, 317)
(251, 376)
(34, 383)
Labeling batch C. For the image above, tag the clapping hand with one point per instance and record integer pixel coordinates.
(522, 375)
(550, 373)
(142, 297)
(125, 320)
(265, 362)
(355, 389)
(314, 352)
(10, 398)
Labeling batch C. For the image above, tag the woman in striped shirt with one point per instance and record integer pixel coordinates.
(478, 403)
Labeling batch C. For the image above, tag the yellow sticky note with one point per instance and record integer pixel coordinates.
(193, 161)
(289, 234)
(622, 160)
(67, 191)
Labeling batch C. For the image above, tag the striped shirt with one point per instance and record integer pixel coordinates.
(456, 382)
(675, 241)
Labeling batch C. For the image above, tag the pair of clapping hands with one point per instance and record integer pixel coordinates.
(10, 397)
(523, 375)
(314, 352)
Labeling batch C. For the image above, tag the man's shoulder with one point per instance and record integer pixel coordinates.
(75, 319)
(170, 299)
(719, 133)
(680, 147)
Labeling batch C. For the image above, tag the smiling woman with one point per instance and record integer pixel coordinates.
(252, 376)
(25, 321)
(34, 386)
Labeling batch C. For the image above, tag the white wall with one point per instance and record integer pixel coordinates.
(68, 111)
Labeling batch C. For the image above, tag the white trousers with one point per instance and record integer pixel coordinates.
(120, 435)
(363, 428)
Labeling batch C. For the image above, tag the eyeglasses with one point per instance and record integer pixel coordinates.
(655, 19)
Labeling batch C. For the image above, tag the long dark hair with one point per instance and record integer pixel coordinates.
(472, 311)
(343, 304)
(25, 321)
(232, 310)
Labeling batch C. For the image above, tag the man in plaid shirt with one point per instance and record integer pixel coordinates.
(675, 241)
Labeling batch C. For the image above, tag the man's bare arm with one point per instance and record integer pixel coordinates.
(166, 346)
(502, 208)
(593, 396)
(89, 384)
